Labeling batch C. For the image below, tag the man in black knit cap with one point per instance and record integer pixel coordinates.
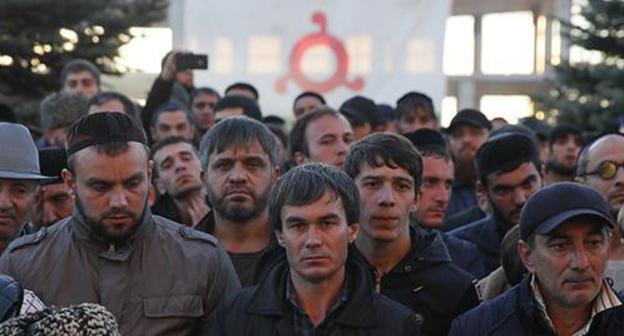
(53, 201)
(508, 167)
(154, 275)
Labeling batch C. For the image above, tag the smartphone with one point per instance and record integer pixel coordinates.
(191, 61)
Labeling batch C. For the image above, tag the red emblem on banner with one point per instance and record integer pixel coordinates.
(322, 38)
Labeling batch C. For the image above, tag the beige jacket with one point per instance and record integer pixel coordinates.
(166, 280)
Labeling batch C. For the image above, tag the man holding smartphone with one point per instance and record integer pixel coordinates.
(174, 84)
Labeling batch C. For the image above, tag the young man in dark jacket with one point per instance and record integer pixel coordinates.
(565, 230)
(321, 289)
(411, 264)
(508, 166)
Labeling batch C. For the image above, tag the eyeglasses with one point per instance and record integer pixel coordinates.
(606, 170)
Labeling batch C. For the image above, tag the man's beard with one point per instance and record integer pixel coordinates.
(465, 172)
(238, 212)
(560, 169)
(100, 229)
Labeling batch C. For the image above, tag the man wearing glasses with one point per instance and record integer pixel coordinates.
(599, 167)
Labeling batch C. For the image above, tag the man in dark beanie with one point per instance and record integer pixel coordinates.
(363, 116)
(508, 167)
(565, 143)
(53, 201)
(467, 132)
(154, 275)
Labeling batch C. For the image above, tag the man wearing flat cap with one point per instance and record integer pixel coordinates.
(508, 166)
(156, 276)
(19, 181)
(565, 230)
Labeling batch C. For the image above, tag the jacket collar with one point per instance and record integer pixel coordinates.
(427, 248)
(270, 298)
(85, 232)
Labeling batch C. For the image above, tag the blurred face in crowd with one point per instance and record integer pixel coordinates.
(17, 198)
(203, 110)
(606, 155)
(435, 192)
(465, 140)
(509, 191)
(239, 181)
(58, 136)
(81, 82)
(53, 203)
(565, 150)
(185, 77)
(328, 139)
(415, 119)
(569, 263)
(316, 237)
(387, 196)
(112, 105)
(305, 104)
(173, 123)
(111, 191)
(179, 170)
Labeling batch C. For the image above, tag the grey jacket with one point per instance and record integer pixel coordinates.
(166, 280)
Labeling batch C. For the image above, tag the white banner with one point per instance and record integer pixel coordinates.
(376, 48)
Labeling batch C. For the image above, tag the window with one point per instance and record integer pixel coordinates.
(420, 56)
(263, 55)
(222, 58)
(509, 107)
(508, 43)
(360, 51)
(459, 46)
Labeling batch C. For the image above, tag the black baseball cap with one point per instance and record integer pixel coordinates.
(553, 205)
(469, 117)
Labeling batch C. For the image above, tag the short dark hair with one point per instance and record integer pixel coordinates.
(237, 131)
(243, 86)
(206, 91)
(171, 107)
(392, 150)
(79, 65)
(309, 94)
(435, 151)
(563, 130)
(306, 184)
(104, 97)
(162, 143)
(249, 106)
(413, 100)
(297, 136)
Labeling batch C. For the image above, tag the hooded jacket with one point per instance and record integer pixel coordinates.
(165, 280)
(428, 282)
(263, 309)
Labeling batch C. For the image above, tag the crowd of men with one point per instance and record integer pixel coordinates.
(197, 214)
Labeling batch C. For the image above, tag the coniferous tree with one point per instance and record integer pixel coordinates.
(588, 95)
(37, 37)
